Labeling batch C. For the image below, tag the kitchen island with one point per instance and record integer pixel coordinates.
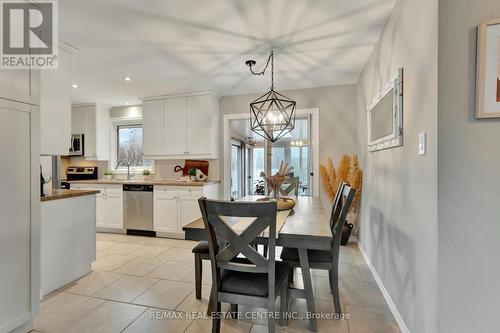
(68, 237)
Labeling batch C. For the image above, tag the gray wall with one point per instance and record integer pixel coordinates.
(469, 181)
(398, 222)
(337, 118)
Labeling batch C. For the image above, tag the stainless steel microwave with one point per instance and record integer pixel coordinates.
(77, 145)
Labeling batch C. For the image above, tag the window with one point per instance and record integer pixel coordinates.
(129, 147)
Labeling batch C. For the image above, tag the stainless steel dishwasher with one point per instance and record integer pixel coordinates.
(138, 209)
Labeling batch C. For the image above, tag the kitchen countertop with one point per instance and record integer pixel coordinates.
(165, 182)
(63, 194)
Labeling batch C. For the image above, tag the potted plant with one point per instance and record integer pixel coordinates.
(146, 173)
(192, 173)
(108, 174)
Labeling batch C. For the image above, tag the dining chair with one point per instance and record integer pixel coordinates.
(289, 186)
(328, 260)
(258, 280)
(201, 253)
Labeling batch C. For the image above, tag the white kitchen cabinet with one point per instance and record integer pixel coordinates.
(55, 107)
(190, 126)
(189, 209)
(200, 121)
(109, 204)
(176, 206)
(93, 121)
(166, 214)
(153, 140)
(100, 209)
(19, 205)
(175, 126)
(114, 211)
(20, 85)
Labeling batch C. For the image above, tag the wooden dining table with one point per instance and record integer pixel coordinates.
(306, 227)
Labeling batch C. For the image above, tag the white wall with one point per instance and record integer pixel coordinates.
(398, 222)
(469, 181)
(337, 118)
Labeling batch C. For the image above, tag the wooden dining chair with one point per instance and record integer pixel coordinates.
(289, 186)
(328, 260)
(201, 253)
(258, 280)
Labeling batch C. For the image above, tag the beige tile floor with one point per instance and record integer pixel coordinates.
(141, 284)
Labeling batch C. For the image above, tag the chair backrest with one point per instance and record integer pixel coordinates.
(341, 204)
(225, 243)
(291, 185)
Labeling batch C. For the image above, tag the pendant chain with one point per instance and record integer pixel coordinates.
(270, 59)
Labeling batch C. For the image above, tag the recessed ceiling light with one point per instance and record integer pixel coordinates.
(74, 85)
(127, 78)
(126, 103)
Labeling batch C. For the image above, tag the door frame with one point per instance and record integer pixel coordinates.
(226, 145)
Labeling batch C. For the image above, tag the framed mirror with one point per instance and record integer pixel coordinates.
(385, 116)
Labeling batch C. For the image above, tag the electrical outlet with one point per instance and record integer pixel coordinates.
(422, 143)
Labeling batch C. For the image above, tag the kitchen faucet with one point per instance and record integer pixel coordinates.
(127, 163)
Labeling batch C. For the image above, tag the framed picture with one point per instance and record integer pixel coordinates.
(488, 70)
(385, 116)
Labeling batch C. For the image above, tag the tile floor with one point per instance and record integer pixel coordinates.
(139, 284)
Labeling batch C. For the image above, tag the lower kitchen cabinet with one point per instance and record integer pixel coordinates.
(166, 215)
(109, 204)
(176, 206)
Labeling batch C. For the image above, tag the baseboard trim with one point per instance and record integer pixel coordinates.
(385, 293)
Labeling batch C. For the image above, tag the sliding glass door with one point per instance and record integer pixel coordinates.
(251, 155)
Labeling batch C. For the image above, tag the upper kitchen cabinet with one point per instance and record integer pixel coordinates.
(180, 127)
(153, 140)
(20, 85)
(55, 107)
(93, 121)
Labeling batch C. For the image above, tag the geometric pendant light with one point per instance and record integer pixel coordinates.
(272, 115)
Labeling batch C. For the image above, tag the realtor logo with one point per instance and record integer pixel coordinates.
(29, 34)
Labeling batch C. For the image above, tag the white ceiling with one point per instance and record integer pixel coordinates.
(180, 46)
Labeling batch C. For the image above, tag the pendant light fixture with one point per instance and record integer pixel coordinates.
(272, 115)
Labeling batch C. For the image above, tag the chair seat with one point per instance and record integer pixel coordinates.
(315, 256)
(252, 284)
(201, 247)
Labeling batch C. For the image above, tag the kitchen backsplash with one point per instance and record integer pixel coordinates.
(164, 169)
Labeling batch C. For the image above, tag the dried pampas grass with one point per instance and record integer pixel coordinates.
(326, 182)
(348, 171)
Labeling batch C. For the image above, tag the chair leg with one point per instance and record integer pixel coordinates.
(334, 285)
(306, 277)
(216, 318)
(265, 251)
(270, 321)
(210, 303)
(234, 311)
(198, 271)
(284, 302)
(330, 280)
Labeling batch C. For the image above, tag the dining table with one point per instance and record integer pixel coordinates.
(305, 227)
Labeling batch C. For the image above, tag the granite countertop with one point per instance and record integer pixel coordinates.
(165, 182)
(63, 194)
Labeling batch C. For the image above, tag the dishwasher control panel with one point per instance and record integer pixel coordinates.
(138, 187)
